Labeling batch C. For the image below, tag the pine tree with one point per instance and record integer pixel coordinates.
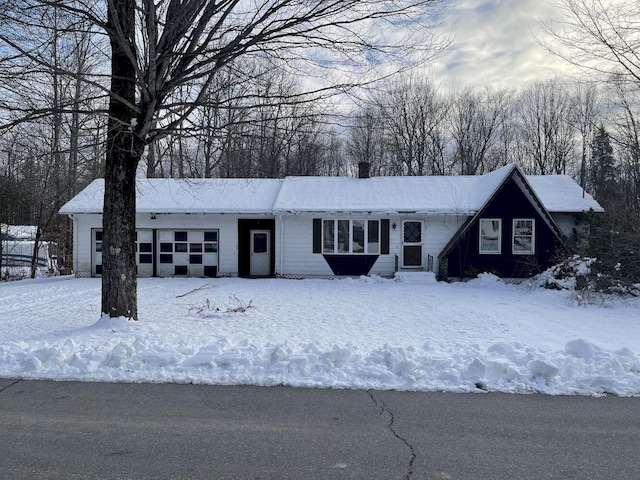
(603, 168)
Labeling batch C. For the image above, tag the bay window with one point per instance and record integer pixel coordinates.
(351, 236)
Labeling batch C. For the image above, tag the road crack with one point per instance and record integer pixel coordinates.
(385, 412)
(7, 387)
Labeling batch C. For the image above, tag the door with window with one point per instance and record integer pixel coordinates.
(412, 244)
(260, 263)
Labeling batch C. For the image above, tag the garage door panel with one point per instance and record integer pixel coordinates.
(188, 253)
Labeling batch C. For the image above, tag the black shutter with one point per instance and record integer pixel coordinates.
(317, 235)
(384, 236)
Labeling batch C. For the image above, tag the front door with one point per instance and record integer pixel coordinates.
(412, 244)
(260, 265)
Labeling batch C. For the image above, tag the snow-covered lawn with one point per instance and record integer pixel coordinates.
(412, 334)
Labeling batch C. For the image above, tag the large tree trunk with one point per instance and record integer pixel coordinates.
(124, 150)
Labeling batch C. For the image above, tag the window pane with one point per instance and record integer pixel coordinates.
(210, 248)
(412, 255)
(98, 246)
(412, 232)
(260, 243)
(523, 236)
(489, 244)
(166, 247)
(327, 236)
(146, 258)
(523, 227)
(180, 236)
(181, 247)
(490, 227)
(210, 236)
(522, 245)
(490, 236)
(146, 247)
(343, 236)
(373, 236)
(358, 236)
(195, 247)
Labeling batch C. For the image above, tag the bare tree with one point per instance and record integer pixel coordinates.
(599, 35)
(585, 115)
(476, 118)
(413, 114)
(46, 94)
(626, 137)
(160, 46)
(546, 132)
(366, 141)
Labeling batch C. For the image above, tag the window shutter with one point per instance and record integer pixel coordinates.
(317, 235)
(384, 236)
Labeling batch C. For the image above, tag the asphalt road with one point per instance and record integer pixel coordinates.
(70, 430)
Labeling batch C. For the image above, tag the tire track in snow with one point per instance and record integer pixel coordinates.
(59, 299)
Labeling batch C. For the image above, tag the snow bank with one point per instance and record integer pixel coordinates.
(365, 333)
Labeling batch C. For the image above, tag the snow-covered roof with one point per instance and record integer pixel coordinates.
(164, 195)
(560, 193)
(424, 194)
(18, 232)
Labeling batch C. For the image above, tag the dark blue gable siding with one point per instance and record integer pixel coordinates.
(464, 260)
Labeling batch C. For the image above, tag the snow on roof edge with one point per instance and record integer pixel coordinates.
(558, 193)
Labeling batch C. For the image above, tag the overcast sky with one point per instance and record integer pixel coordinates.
(494, 44)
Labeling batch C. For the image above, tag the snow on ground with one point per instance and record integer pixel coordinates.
(408, 334)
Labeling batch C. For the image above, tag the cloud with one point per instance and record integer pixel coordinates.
(495, 44)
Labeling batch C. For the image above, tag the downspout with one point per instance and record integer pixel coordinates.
(281, 241)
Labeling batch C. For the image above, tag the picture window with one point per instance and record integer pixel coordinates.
(351, 236)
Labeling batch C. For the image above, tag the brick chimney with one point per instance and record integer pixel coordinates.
(363, 169)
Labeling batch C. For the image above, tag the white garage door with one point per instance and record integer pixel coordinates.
(192, 253)
(144, 252)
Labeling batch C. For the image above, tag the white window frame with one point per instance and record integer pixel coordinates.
(533, 236)
(482, 251)
(365, 250)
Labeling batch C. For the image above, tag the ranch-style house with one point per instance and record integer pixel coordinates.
(503, 222)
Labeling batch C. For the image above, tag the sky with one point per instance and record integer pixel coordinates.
(494, 44)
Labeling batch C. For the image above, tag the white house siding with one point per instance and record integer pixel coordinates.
(83, 225)
(566, 222)
(439, 231)
(573, 229)
(225, 224)
(294, 248)
(294, 242)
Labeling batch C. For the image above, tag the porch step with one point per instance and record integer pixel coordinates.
(415, 277)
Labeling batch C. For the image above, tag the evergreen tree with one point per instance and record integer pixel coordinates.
(603, 169)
